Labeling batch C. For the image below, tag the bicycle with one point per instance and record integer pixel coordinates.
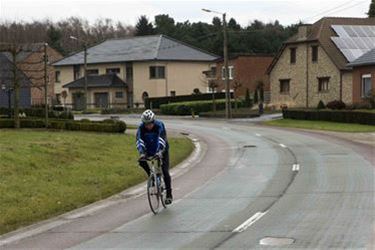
(156, 191)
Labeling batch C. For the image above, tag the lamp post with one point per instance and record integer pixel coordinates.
(9, 92)
(228, 113)
(84, 68)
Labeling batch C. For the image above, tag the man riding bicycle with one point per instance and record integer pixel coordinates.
(152, 141)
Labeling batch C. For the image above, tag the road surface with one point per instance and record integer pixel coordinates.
(255, 187)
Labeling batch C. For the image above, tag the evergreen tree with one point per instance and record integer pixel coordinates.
(256, 96)
(144, 27)
(371, 11)
(165, 25)
(54, 39)
(247, 98)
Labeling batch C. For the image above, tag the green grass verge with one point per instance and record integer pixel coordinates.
(321, 125)
(46, 173)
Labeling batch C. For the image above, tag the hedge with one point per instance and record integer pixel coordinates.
(345, 116)
(187, 108)
(40, 112)
(156, 102)
(96, 126)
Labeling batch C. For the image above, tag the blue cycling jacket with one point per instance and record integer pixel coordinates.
(153, 141)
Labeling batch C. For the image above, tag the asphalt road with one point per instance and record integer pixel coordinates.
(252, 183)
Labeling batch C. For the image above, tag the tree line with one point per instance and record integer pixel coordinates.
(257, 37)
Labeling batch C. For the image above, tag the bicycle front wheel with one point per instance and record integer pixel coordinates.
(153, 194)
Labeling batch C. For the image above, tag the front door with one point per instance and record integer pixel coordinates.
(101, 100)
(78, 101)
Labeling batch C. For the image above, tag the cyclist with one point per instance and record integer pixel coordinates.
(151, 141)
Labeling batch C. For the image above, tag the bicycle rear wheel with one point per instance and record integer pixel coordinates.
(153, 194)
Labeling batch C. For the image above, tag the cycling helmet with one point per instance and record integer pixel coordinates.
(148, 116)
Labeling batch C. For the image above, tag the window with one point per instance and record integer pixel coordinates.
(157, 72)
(91, 72)
(293, 55)
(112, 71)
(173, 93)
(323, 84)
(119, 94)
(284, 86)
(57, 76)
(366, 85)
(231, 72)
(314, 53)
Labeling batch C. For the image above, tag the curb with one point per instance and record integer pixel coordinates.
(124, 196)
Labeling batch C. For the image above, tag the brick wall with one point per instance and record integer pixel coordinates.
(357, 81)
(33, 67)
(248, 70)
(307, 73)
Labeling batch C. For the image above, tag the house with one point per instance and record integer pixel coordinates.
(30, 60)
(150, 66)
(363, 76)
(246, 71)
(7, 86)
(107, 88)
(313, 64)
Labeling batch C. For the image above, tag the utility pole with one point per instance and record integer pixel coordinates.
(46, 84)
(85, 75)
(228, 113)
(16, 87)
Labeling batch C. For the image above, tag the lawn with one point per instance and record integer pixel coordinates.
(44, 174)
(321, 125)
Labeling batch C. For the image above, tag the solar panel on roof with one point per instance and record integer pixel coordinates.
(354, 40)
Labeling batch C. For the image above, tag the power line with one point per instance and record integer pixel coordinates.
(336, 9)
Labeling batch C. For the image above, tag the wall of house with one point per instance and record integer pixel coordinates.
(248, 71)
(112, 100)
(181, 77)
(357, 81)
(33, 67)
(304, 69)
(66, 76)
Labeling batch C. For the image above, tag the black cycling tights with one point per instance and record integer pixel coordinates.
(164, 168)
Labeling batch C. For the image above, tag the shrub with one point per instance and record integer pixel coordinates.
(86, 125)
(6, 123)
(109, 121)
(336, 104)
(85, 120)
(186, 108)
(344, 116)
(40, 112)
(321, 105)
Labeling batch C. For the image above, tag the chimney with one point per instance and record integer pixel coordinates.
(303, 31)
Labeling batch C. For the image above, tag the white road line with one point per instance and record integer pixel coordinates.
(295, 167)
(282, 145)
(258, 134)
(249, 222)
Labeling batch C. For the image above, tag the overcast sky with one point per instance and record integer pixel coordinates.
(286, 11)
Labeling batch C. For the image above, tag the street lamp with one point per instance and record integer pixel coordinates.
(228, 113)
(85, 68)
(9, 92)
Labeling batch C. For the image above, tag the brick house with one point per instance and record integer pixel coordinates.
(363, 76)
(245, 70)
(312, 65)
(150, 66)
(31, 62)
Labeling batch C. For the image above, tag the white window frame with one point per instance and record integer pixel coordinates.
(231, 69)
(363, 77)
